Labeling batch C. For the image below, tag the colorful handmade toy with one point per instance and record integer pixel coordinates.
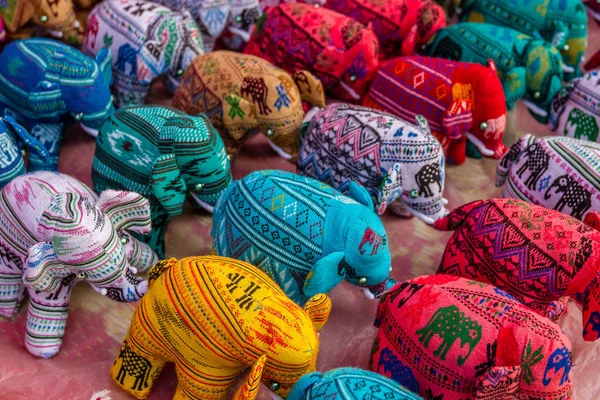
(148, 40)
(400, 25)
(214, 317)
(459, 100)
(575, 111)
(560, 22)
(304, 234)
(398, 163)
(536, 254)
(214, 16)
(554, 172)
(162, 154)
(244, 16)
(341, 52)
(2, 31)
(348, 383)
(45, 85)
(244, 94)
(55, 232)
(448, 337)
(530, 69)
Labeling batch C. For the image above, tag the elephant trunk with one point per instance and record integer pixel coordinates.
(547, 193)
(142, 257)
(128, 288)
(301, 388)
(461, 360)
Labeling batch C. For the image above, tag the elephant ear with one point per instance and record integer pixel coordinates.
(592, 219)
(310, 87)
(560, 34)
(514, 85)
(104, 61)
(126, 210)
(239, 115)
(359, 194)
(249, 389)
(43, 269)
(390, 189)
(457, 119)
(318, 308)
(167, 184)
(324, 275)
(501, 380)
(30, 142)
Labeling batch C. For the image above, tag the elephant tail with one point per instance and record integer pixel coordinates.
(511, 157)
(157, 270)
(456, 217)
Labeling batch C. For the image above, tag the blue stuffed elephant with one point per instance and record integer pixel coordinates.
(45, 85)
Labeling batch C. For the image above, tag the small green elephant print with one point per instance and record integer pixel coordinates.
(581, 125)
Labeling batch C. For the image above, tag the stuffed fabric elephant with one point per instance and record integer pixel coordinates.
(574, 111)
(12, 138)
(530, 69)
(349, 383)
(341, 52)
(147, 40)
(304, 234)
(560, 22)
(463, 101)
(2, 31)
(400, 25)
(215, 317)
(55, 232)
(537, 255)
(242, 94)
(454, 338)
(554, 172)
(215, 16)
(162, 154)
(398, 163)
(45, 84)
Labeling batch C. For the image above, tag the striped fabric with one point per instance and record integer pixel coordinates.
(214, 317)
(163, 154)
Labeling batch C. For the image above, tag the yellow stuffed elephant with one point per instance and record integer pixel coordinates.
(214, 317)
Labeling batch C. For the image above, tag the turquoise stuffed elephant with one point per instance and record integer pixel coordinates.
(529, 68)
(560, 22)
(349, 383)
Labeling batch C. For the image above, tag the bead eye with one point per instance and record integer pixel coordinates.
(362, 281)
(78, 117)
(270, 132)
(413, 194)
(179, 72)
(566, 47)
(537, 95)
(199, 187)
(274, 386)
(44, 18)
(483, 126)
(124, 240)
(353, 78)
(238, 18)
(81, 276)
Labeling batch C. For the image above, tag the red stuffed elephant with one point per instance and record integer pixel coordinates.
(459, 100)
(535, 254)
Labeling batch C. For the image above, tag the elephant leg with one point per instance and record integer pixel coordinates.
(50, 135)
(560, 205)
(12, 289)
(522, 170)
(46, 320)
(428, 190)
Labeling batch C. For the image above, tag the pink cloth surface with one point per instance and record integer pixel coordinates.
(97, 326)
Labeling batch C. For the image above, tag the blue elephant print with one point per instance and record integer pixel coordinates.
(398, 371)
(559, 359)
(127, 55)
(593, 322)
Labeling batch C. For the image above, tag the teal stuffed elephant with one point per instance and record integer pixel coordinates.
(529, 68)
(162, 154)
(560, 22)
(349, 383)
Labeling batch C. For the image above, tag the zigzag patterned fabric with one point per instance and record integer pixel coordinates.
(304, 234)
(394, 160)
(553, 172)
(535, 254)
(449, 337)
(163, 154)
(214, 317)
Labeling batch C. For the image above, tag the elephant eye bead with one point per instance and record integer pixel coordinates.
(179, 72)
(362, 281)
(413, 194)
(199, 187)
(274, 386)
(44, 18)
(81, 276)
(483, 126)
(270, 132)
(353, 78)
(537, 95)
(124, 240)
(238, 18)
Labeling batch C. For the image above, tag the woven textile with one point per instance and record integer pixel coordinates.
(163, 154)
(400, 25)
(530, 69)
(593, 8)
(535, 254)
(54, 232)
(575, 110)
(394, 160)
(560, 22)
(448, 337)
(45, 84)
(243, 17)
(2, 31)
(341, 52)
(214, 317)
(147, 40)
(304, 234)
(349, 383)
(557, 173)
(457, 99)
(242, 93)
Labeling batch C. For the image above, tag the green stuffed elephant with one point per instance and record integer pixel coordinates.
(581, 126)
(530, 69)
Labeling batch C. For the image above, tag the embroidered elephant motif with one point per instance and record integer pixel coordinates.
(581, 126)
(559, 359)
(578, 198)
(390, 364)
(428, 175)
(451, 325)
(134, 365)
(537, 163)
(593, 323)
(127, 55)
(257, 89)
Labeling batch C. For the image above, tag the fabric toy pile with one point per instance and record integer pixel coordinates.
(202, 188)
